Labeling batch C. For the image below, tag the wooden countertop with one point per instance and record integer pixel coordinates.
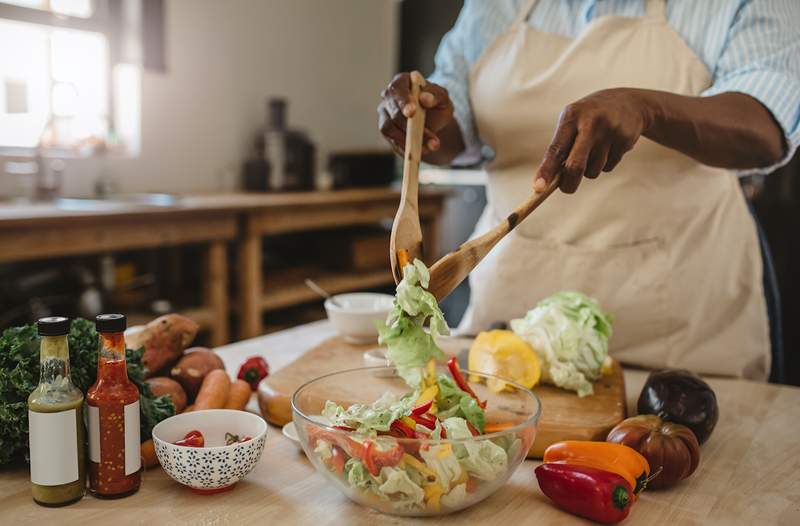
(41, 214)
(749, 473)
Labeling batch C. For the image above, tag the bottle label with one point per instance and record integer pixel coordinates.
(133, 456)
(54, 447)
(131, 442)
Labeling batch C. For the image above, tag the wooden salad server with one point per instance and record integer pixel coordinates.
(405, 244)
(452, 268)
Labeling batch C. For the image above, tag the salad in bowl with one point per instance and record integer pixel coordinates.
(415, 438)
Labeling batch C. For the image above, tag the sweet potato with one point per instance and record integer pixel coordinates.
(148, 452)
(193, 367)
(214, 391)
(239, 395)
(163, 339)
(161, 385)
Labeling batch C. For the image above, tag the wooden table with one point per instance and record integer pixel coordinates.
(288, 213)
(749, 473)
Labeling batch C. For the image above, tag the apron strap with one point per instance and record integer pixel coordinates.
(656, 9)
(526, 11)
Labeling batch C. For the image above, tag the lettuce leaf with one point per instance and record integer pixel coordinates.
(570, 333)
(370, 418)
(409, 346)
(452, 402)
(483, 459)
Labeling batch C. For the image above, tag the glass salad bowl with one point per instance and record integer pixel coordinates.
(420, 476)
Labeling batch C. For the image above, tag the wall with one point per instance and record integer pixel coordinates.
(330, 58)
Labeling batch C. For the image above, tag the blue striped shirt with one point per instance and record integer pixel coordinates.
(749, 46)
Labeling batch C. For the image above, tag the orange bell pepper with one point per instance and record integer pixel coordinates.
(616, 458)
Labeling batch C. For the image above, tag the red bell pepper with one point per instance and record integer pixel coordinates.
(344, 428)
(423, 420)
(193, 438)
(368, 459)
(472, 429)
(422, 409)
(253, 370)
(401, 427)
(455, 370)
(598, 495)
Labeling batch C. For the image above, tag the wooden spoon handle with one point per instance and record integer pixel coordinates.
(528, 206)
(415, 128)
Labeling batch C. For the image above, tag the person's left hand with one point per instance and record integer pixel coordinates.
(592, 136)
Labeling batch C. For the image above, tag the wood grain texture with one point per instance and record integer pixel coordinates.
(564, 415)
(749, 474)
(453, 268)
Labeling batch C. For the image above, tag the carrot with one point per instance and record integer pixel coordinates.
(214, 391)
(239, 395)
(148, 452)
(498, 426)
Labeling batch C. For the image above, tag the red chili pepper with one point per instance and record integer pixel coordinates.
(455, 370)
(472, 429)
(598, 495)
(337, 460)
(193, 438)
(428, 422)
(402, 427)
(253, 370)
(422, 409)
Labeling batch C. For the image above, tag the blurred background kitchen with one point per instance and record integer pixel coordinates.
(207, 157)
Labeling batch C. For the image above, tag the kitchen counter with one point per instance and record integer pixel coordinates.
(749, 472)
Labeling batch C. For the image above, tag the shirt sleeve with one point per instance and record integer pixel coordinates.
(761, 58)
(458, 49)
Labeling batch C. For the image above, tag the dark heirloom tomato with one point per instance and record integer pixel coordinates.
(676, 395)
(672, 448)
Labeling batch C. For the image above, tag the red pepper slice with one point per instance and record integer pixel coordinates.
(368, 460)
(455, 370)
(598, 495)
(472, 429)
(344, 428)
(402, 427)
(193, 438)
(422, 409)
(253, 370)
(428, 422)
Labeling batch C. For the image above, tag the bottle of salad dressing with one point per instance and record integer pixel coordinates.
(55, 422)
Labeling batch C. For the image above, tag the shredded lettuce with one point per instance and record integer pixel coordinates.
(409, 346)
(452, 401)
(370, 418)
(395, 485)
(483, 459)
(570, 333)
(357, 475)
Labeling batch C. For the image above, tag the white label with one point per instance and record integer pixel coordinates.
(133, 458)
(94, 434)
(54, 447)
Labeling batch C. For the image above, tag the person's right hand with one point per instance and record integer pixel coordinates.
(396, 107)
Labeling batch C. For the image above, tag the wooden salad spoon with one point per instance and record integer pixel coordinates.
(452, 268)
(405, 244)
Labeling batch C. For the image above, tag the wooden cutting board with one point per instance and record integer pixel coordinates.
(564, 415)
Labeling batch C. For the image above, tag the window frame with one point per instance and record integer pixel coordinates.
(106, 19)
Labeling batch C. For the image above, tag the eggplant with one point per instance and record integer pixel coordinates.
(677, 395)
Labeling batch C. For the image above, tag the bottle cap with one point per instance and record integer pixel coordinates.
(110, 323)
(53, 326)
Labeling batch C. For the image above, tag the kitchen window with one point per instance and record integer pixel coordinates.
(70, 77)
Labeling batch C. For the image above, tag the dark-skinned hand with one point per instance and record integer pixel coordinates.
(591, 137)
(396, 107)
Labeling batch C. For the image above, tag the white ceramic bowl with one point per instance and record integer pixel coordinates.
(355, 316)
(215, 467)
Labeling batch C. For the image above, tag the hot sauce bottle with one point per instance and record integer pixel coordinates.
(55, 419)
(114, 454)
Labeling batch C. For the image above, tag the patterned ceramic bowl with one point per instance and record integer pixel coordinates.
(217, 466)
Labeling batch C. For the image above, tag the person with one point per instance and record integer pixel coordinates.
(675, 99)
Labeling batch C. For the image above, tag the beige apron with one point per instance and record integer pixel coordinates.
(666, 244)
